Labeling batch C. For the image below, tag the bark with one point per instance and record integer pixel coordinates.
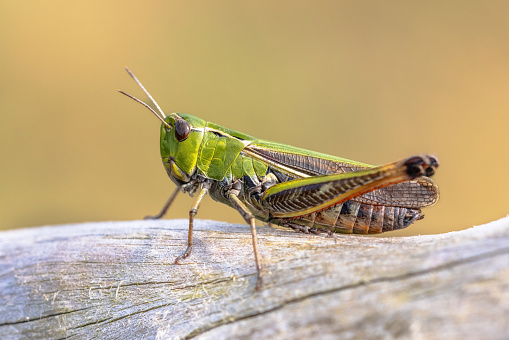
(117, 280)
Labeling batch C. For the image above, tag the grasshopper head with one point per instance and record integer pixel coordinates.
(181, 136)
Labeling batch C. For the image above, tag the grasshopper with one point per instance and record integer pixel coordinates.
(280, 184)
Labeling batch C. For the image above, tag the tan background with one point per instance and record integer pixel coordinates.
(370, 81)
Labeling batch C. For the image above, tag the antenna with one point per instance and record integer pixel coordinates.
(148, 107)
(159, 115)
(146, 92)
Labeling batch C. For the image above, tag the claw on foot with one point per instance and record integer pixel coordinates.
(297, 227)
(183, 256)
(259, 283)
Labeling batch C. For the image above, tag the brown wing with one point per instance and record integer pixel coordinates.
(299, 163)
(419, 193)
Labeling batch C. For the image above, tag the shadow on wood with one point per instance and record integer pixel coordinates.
(117, 280)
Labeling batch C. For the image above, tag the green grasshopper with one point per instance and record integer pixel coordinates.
(280, 184)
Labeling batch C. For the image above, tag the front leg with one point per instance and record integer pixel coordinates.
(192, 214)
(165, 208)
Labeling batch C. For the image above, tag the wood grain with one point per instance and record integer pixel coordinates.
(117, 280)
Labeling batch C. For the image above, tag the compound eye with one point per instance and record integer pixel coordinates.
(182, 130)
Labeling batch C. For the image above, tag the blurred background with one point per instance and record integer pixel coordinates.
(369, 81)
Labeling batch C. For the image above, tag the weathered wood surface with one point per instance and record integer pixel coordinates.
(116, 280)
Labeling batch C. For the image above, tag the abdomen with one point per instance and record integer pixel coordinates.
(357, 218)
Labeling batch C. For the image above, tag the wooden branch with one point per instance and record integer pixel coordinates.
(117, 280)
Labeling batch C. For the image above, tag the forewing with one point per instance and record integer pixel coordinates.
(300, 163)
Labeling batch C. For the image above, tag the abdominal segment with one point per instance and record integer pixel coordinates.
(353, 217)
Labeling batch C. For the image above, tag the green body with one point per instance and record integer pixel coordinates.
(268, 173)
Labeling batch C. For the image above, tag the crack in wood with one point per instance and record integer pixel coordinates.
(8, 323)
